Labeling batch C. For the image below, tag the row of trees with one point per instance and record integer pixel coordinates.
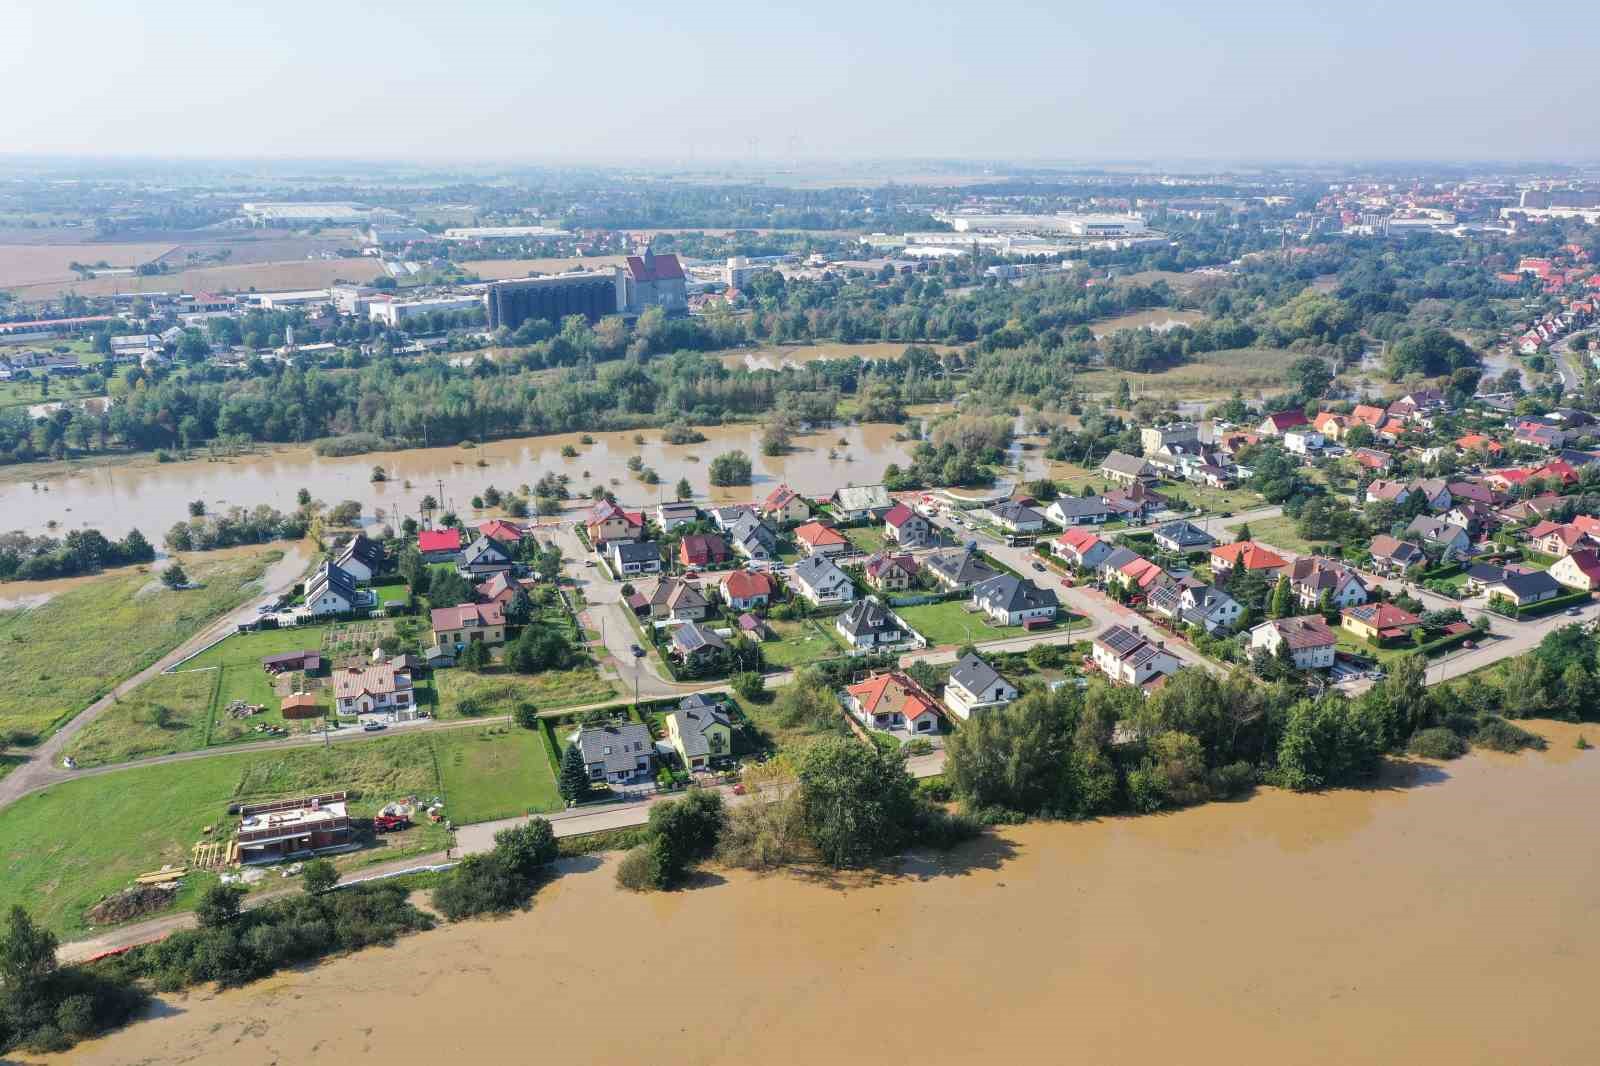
(82, 551)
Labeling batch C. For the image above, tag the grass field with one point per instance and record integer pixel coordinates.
(61, 850)
(868, 539)
(168, 713)
(799, 643)
(951, 623)
(498, 692)
(59, 657)
(1280, 533)
(494, 773)
(236, 277)
(1211, 375)
(1210, 499)
(26, 393)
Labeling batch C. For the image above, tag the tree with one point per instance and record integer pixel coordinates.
(684, 490)
(475, 656)
(857, 801)
(219, 905)
(731, 468)
(27, 953)
(527, 848)
(526, 715)
(174, 576)
(750, 685)
(1311, 377)
(574, 781)
(1018, 757)
(303, 497)
(1282, 605)
(197, 508)
(319, 876)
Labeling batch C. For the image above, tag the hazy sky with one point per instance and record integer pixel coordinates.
(622, 78)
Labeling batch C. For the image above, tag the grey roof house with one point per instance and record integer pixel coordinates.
(618, 753)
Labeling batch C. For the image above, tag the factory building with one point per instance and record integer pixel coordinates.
(590, 293)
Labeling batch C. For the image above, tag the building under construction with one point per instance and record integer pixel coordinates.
(591, 293)
(284, 828)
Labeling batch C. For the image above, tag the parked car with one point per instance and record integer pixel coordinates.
(373, 727)
(1039, 567)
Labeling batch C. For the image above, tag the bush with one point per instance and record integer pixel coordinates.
(1437, 743)
(318, 876)
(1500, 735)
(219, 905)
(482, 884)
(644, 867)
(936, 827)
(1234, 779)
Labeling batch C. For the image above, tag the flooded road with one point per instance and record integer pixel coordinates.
(1446, 916)
(151, 496)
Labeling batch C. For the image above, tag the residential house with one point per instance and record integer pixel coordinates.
(869, 624)
(892, 701)
(815, 538)
(1126, 657)
(1015, 517)
(1475, 518)
(1394, 557)
(1111, 564)
(382, 688)
(361, 558)
(1395, 492)
(1475, 492)
(1329, 424)
(725, 518)
(1276, 425)
(975, 686)
(1303, 441)
(1141, 575)
(1436, 491)
(1183, 536)
(745, 590)
(1524, 589)
(1375, 622)
(670, 516)
(961, 568)
(1153, 439)
(679, 600)
(784, 507)
(1015, 601)
(1248, 556)
(484, 556)
(700, 731)
(853, 503)
(1081, 548)
(1200, 605)
(821, 582)
(1313, 577)
(630, 558)
(501, 588)
(1478, 446)
(439, 545)
(1372, 459)
(702, 549)
(1559, 538)
(332, 591)
(1369, 416)
(693, 642)
(607, 522)
(1070, 511)
(890, 573)
(1125, 469)
(907, 528)
(1578, 569)
(507, 534)
(1440, 539)
(1133, 502)
(617, 753)
(753, 538)
(1308, 638)
(469, 623)
(1539, 435)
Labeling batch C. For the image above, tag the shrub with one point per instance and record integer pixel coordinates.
(1234, 779)
(644, 867)
(219, 905)
(318, 876)
(1437, 743)
(481, 884)
(1500, 735)
(936, 827)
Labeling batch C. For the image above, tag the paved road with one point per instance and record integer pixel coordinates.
(44, 764)
(1563, 358)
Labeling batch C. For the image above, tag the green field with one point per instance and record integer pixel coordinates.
(168, 713)
(800, 643)
(867, 539)
(498, 692)
(63, 655)
(61, 850)
(494, 773)
(951, 623)
(1209, 499)
(1280, 532)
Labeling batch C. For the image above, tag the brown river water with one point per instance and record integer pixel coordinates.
(152, 496)
(1447, 915)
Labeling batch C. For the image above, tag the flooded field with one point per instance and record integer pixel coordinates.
(1159, 319)
(151, 496)
(1446, 915)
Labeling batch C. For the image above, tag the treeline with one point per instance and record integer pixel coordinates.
(83, 551)
(237, 526)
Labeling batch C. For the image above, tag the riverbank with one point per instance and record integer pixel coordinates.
(1441, 915)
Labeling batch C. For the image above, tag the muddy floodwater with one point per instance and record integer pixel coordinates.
(151, 496)
(1160, 319)
(1448, 915)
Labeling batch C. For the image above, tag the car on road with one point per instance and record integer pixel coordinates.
(1576, 610)
(1039, 567)
(638, 652)
(374, 727)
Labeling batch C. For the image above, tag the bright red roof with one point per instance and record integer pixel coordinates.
(439, 540)
(657, 268)
(742, 584)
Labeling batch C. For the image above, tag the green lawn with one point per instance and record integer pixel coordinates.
(498, 692)
(168, 713)
(951, 623)
(248, 649)
(63, 849)
(61, 656)
(868, 539)
(1209, 499)
(493, 773)
(391, 589)
(1280, 532)
(800, 643)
